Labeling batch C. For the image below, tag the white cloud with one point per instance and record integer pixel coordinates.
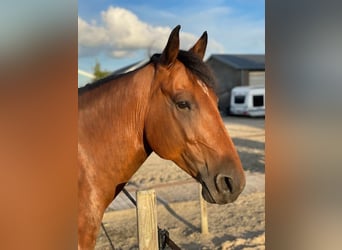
(89, 35)
(121, 33)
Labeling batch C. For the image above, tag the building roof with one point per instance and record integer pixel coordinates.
(130, 67)
(242, 62)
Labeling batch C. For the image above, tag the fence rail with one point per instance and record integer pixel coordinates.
(187, 189)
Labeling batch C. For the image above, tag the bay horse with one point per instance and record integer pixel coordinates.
(167, 106)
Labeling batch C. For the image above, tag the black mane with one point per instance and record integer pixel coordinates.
(189, 59)
(195, 65)
(106, 79)
(200, 69)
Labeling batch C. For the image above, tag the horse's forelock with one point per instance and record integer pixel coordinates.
(195, 65)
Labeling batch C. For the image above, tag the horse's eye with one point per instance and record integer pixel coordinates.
(183, 105)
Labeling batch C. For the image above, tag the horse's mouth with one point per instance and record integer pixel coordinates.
(206, 193)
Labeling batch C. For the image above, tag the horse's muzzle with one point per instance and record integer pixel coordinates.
(223, 189)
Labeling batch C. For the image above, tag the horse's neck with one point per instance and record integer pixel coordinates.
(111, 125)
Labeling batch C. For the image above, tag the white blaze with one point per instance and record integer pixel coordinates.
(203, 86)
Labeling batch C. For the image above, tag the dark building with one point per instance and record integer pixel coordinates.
(236, 70)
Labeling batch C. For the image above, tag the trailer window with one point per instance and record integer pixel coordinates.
(239, 99)
(258, 100)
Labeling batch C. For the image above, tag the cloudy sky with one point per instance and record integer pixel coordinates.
(118, 33)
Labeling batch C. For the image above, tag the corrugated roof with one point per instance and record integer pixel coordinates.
(244, 62)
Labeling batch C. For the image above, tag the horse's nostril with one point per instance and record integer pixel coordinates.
(228, 182)
(224, 184)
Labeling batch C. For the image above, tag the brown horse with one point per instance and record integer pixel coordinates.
(167, 106)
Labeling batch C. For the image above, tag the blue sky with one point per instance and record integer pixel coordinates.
(119, 33)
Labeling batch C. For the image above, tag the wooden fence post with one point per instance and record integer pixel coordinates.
(204, 213)
(147, 220)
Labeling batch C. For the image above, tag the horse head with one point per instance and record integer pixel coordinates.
(183, 123)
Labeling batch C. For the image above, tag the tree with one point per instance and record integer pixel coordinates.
(98, 73)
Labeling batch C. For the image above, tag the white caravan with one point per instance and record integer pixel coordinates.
(248, 100)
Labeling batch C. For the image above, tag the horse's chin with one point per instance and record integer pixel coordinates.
(207, 196)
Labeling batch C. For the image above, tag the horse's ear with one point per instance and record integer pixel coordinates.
(200, 46)
(171, 50)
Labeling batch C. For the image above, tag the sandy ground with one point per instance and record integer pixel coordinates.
(239, 225)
